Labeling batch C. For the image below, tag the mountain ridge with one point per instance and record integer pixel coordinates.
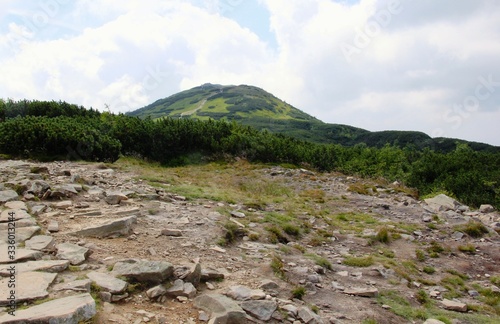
(253, 106)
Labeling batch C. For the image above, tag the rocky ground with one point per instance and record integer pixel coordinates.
(237, 243)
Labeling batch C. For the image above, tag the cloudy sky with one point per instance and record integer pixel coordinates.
(426, 65)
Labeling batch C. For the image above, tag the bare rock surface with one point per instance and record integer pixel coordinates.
(164, 245)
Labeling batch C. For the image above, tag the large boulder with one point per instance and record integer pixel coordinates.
(260, 309)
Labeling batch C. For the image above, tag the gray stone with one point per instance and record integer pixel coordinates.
(267, 284)
(74, 253)
(454, 305)
(193, 275)
(119, 226)
(171, 232)
(260, 309)
(308, 316)
(29, 286)
(182, 289)
(237, 214)
(16, 205)
(362, 292)
(38, 188)
(63, 191)
(62, 204)
(8, 195)
(208, 274)
(156, 291)
(41, 243)
(222, 309)
(245, 293)
(107, 282)
(458, 235)
(144, 271)
(42, 265)
(433, 321)
(442, 203)
(291, 309)
(486, 209)
(13, 214)
(82, 285)
(20, 255)
(53, 227)
(22, 234)
(114, 198)
(73, 309)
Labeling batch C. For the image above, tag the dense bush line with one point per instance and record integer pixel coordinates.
(60, 130)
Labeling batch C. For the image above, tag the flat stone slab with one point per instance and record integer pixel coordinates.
(260, 309)
(362, 292)
(25, 222)
(16, 205)
(107, 282)
(22, 234)
(41, 243)
(221, 308)
(29, 286)
(74, 253)
(119, 226)
(82, 285)
(454, 305)
(245, 293)
(20, 255)
(73, 309)
(18, 214)
(144, 271)
(42, 265)
(8, 195)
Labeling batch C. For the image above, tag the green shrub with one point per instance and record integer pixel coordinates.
(299, 292)
(359, 261)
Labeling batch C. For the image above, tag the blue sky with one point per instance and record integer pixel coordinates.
(424, 65)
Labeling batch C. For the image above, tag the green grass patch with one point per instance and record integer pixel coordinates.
(360, 262)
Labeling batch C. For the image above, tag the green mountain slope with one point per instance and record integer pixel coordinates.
(255, 107)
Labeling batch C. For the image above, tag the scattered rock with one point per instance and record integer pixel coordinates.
(74, 253)
(53, 227)
(115, 227)
(433, 321)
(82, 285)
(8, 195)
(362, 292)
(156, 291)
(245, 293)
(208, 274)
(237, 214)
(221, 308)
(442, 203)
(267, 284)
(144, 271)
(308, 316)
(454, 305)
(486, 209)
(171, 232)
(107, 282)
(114, 198)
(41, 243)
(260, 309)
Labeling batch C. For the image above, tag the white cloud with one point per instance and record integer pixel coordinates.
(412, 60)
